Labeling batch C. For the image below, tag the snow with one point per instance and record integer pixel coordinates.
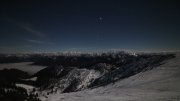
(8, 89)
(83, 77)
(29, 88)
(88, 78)
(31, 79)
(24, 66)
(160, 84)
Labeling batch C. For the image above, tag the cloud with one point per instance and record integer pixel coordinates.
(35, 32)
(38, 42)
(14, 48)
(25, 27)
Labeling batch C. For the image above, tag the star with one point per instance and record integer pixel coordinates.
(100, 18)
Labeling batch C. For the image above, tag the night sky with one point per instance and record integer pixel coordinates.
(89, 25)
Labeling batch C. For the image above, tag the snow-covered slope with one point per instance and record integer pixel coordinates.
(159, 84)
(75, 80)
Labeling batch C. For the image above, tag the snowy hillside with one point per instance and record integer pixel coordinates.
(95, 73)
(119, 76)
(159, 84)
